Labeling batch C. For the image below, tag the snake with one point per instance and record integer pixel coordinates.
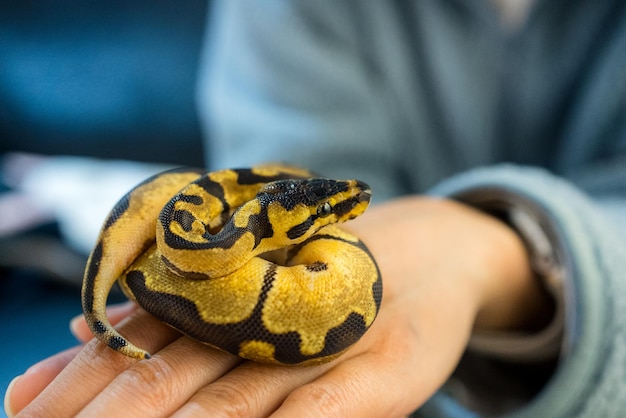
(250, 261)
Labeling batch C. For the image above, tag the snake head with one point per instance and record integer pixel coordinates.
(300, 208)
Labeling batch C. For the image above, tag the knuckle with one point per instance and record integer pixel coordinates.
(231, 399)
(155, 380)
(327, 399)
(96, 357)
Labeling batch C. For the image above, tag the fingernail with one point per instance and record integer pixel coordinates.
(7, 402)
(74, 324)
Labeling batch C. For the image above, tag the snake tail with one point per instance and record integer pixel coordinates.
(130, 225)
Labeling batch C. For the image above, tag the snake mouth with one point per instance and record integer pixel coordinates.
(365, 195)
(355, 203)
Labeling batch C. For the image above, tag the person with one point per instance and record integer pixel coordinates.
(492, 134)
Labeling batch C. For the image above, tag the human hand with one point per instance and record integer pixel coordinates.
(446, 270)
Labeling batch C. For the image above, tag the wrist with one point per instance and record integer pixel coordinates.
(513, 297)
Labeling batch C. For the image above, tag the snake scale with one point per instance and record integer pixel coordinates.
(246, 260)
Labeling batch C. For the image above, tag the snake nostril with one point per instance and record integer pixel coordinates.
(365, 196)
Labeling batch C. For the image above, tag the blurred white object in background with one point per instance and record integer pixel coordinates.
(77, 192)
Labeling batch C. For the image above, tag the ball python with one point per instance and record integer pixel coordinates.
(246, 260)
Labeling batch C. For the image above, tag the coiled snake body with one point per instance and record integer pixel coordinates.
(245, 260)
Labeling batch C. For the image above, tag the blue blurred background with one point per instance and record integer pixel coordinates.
(109, 80)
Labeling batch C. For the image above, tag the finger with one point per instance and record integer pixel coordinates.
(26, 387)
(249, 390)
(115, 313)
(363, 386)
(96, 366)
(162, 384)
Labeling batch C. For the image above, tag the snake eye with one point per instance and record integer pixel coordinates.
(324, 209)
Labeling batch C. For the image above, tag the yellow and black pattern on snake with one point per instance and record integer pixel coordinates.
(246, 260)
